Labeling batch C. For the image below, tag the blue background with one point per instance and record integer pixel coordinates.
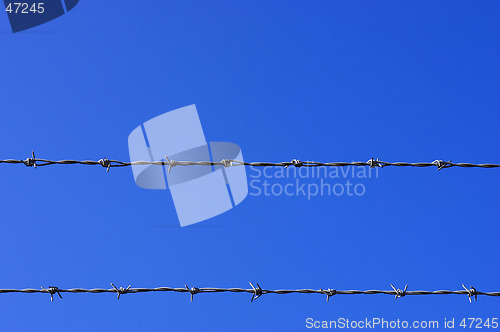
(322, 80)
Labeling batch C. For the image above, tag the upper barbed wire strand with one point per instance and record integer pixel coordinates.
(108, 163)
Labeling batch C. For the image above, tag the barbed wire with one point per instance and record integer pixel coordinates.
(256, 291)
(107, 163)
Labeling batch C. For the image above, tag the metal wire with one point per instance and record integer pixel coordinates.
(107, 163)
(256, 291)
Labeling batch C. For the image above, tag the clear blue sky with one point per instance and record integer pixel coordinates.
(315, 80)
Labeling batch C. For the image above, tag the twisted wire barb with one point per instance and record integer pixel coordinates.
(401, 293)
(107, 163)
(54, 290)
(256, 291)
(121, 290)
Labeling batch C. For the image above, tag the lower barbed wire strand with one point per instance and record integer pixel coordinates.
(255, 291)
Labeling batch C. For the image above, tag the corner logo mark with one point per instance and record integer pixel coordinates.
(26, 14)
(198, 192)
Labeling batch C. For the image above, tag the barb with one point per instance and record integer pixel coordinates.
(399, 292)
(471, 292)
(255, 291)
(121, 290)
(30, 162)
(193, 290)
(107, 163)
(52, 290)
(329, 292)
